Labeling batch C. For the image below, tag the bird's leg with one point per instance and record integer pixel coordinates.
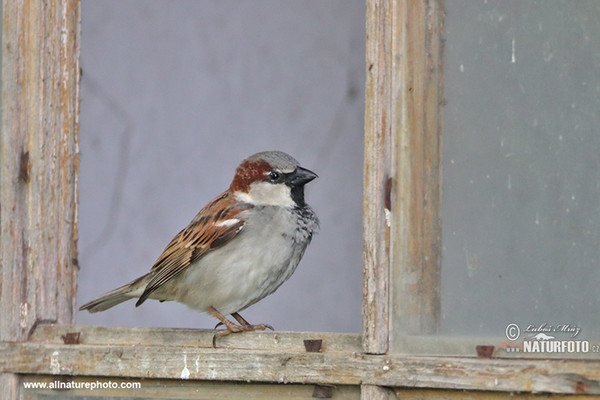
(231, 327)
(240, 319)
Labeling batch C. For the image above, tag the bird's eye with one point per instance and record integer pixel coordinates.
(274, 175)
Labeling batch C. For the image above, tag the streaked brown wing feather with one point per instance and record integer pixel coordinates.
(202, 235)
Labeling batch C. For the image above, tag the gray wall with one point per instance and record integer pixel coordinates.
(174, 95)
(521, 205)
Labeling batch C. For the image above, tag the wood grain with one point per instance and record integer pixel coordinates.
(158, 355)
(402, 188)
(40, 100)
(38, 182)
(378, 180)
(372, 392)
(402, 199)
(168, 389)
(269, 341)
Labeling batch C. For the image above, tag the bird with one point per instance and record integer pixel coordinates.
(240, 248)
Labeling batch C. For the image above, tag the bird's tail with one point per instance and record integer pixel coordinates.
(129, 291)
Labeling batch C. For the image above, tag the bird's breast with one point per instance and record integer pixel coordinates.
(251, 266)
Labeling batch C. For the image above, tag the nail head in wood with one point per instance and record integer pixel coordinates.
(323, 392)
(580, 387)
(71, 337)
(484, 351)
(313, 345)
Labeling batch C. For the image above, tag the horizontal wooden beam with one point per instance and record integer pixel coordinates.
(270, 341)
(278, 357)
(121, 388)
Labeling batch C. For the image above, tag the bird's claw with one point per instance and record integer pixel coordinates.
(236, 329)
(269, 327)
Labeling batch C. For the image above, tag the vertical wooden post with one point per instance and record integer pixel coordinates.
(402, 221)
(39, 156)
(378, 177)
(379, 181)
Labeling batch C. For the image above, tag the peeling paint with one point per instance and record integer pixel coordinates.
(388, 217)
(54, 363)
(185, 372)
(24, 309)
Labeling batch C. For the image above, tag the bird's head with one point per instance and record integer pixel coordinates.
(271, 178)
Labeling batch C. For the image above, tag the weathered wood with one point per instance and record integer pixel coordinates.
(378, 180)
(372, 392)
(434, 394)
(402, 194)
(242, 391)
(38, 194)
(402, 200)
(415, 77)
(270, 341)
(38, 179)
(186, 389)
(160, 356)
(190, 362)
(10, 385)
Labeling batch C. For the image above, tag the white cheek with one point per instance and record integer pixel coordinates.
(267, 194)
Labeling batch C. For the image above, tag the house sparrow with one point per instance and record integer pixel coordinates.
(239, 248)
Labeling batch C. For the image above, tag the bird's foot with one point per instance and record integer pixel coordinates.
(231, 327)
(256, 327)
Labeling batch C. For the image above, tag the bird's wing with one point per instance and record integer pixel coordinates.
(215, 225)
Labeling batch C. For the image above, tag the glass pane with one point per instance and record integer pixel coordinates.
(175, 94)
(521, 187)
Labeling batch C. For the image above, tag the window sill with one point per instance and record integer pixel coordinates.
(277, 357)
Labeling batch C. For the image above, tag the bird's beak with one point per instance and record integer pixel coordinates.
(302, 176)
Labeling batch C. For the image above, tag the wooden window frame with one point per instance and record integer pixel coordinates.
(38, 194)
